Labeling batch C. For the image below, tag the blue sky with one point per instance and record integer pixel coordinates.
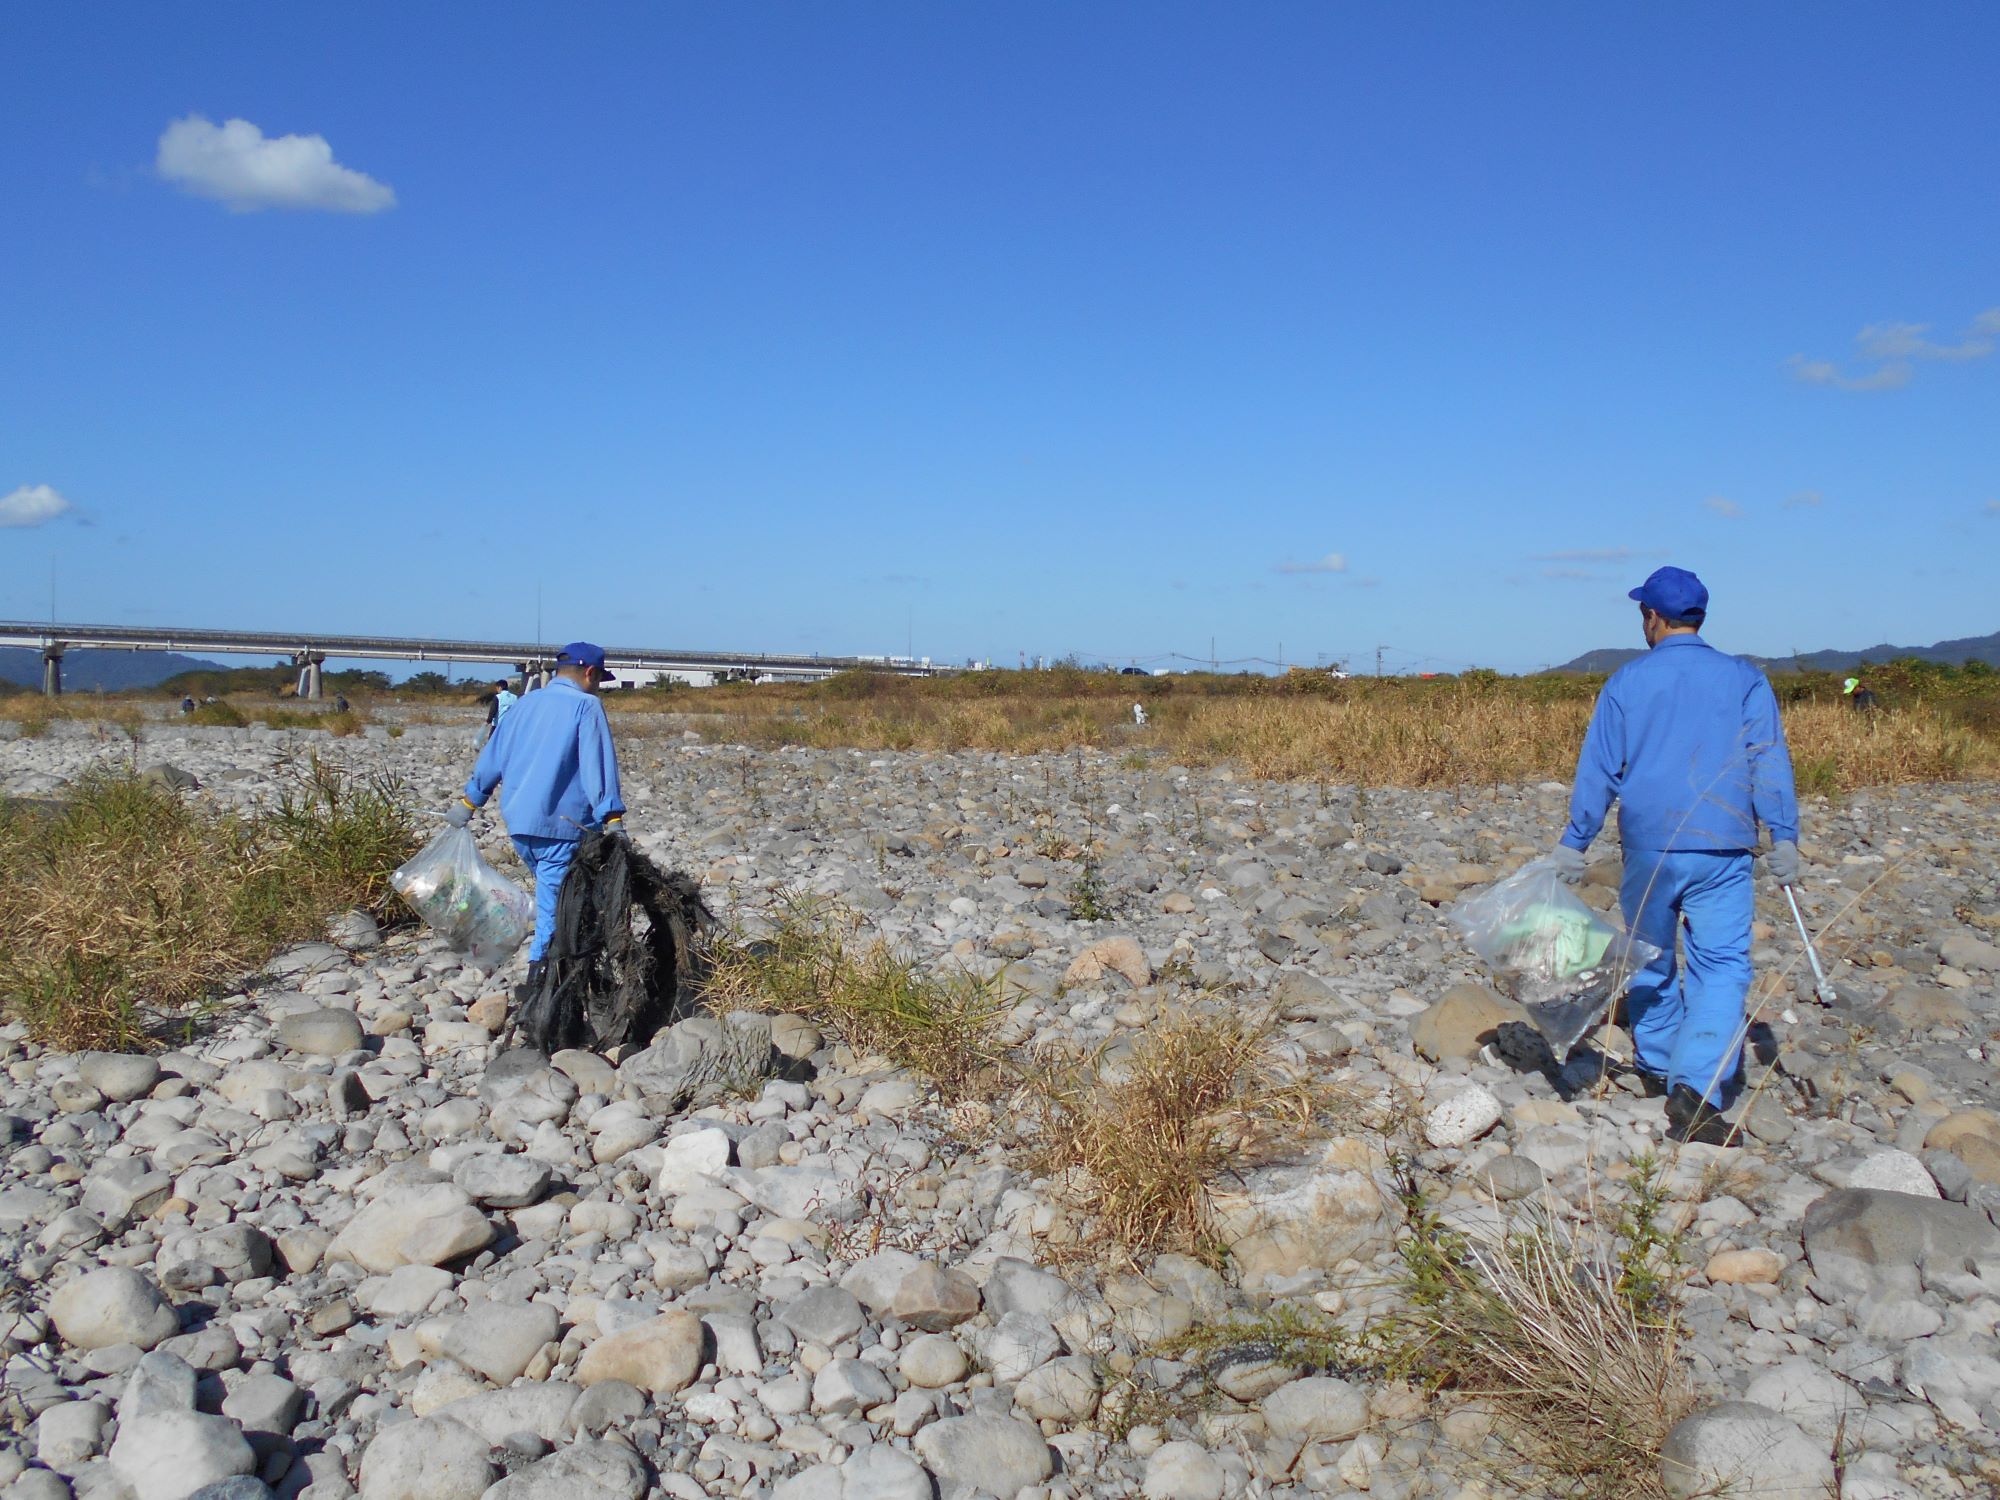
(1037, 327)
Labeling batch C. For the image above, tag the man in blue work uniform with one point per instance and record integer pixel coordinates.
(1688, 740)
(551, 757)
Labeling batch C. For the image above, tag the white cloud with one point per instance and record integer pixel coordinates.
(1890, 377)
(1333, 562)
(1908, 341)
(31, 505)
(1804, 500)
(236, 164)
(1723, 506)
(1895, 349)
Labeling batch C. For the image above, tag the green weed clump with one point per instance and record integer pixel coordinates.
(221, 714)
(130, 902)
(814, 963)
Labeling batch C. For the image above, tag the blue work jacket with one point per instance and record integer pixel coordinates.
(552, 759)
(1687, 738)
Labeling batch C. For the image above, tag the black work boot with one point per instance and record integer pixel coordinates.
(1691, 1119)
(1651, 1085)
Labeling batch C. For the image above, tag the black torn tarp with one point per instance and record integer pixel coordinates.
(606, 981)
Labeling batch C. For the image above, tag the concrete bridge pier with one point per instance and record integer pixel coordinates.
(311, 675)
(52, 655)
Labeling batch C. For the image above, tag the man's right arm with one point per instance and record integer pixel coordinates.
(1598, 768)
(1771, 791)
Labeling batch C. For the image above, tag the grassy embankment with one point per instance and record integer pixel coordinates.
(35, 715)
(127, 903)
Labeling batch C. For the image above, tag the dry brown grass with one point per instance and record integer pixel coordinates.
(1140, 1136)
(1572, 1336)
(340, 724)
(1471, 731)
(129, 901)
(34, 715)
(815, 961)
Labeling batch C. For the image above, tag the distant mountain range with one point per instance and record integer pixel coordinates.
(1984, 648)
(86, 670)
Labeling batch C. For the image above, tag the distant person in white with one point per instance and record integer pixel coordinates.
(1139, 714)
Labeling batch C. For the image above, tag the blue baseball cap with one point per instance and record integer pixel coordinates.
(1674, 594)
(583, 654)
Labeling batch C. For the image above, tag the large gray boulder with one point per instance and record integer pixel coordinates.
(420, 1225)
(582, 1471)
(330, 1032)
(1959, 1376)
(1320, 1408)
(701, 1060)
(116, 1305)
(503, 1179)
(1738, 1448)
(431, 1459)
(119, 1076)
(876, 1472)
(235, 1252)
(1867, 1242)
(171, 1454)
(979, 1453)
(500, 1339)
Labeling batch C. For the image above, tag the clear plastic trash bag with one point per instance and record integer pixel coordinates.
(1563, 962)
(467, 902)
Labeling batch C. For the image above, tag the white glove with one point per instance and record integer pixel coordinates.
(1568, 863)
(1782, 863)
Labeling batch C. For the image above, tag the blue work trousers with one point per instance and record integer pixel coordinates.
(1687, 1018)
(549, 860)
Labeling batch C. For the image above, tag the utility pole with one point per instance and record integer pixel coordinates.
(1213, 664)
(1378, 659)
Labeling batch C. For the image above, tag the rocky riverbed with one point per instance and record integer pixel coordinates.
(327, 1244)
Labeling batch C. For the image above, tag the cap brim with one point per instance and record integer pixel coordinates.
(1638, 593)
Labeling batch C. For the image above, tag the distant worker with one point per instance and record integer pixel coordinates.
(552, 758)
(339, 703)
(1859, 698)
(502, 699)
(1139, 714)
(187, 705)
(1689, 742)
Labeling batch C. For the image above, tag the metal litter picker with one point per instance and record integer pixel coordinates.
(1820, 984)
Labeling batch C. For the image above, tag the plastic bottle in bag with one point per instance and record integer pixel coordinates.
(1562, 961)
(463, 899)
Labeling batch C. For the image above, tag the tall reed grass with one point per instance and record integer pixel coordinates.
(1468, 731)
